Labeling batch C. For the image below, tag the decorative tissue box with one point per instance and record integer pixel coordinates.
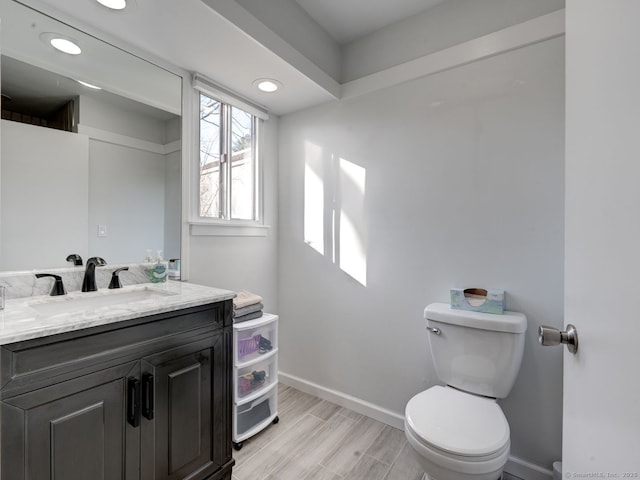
(478, 300)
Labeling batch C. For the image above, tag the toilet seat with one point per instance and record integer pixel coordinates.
(458, 425)
(446, 466)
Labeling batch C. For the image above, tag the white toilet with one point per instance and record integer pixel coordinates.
(459, 431)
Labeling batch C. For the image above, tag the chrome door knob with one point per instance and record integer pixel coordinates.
(549, 336)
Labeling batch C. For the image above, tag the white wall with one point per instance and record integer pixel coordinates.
(120, 115)
(134, 187)
(172, 205)
(244, 262)
(463, 186)
(173, 190)
(126, 194)
(44, 196)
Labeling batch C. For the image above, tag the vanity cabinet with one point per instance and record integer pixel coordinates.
(143, 399)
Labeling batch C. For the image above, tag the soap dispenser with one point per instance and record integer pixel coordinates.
(158, 274)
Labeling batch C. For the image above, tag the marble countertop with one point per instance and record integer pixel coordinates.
(39, 316)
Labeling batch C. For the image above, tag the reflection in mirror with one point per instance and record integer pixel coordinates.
(82, 170)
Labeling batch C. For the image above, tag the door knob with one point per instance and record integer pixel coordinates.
(552, 336)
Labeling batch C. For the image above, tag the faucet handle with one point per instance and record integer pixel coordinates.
(97, 261)
(76, 259)
(57, 287)
(115, 279)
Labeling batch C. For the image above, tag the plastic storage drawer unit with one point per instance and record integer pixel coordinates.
(254, 416)
(255, 377)
(254, 338)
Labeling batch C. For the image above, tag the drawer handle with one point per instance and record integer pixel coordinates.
(147, 396)
(133, 402)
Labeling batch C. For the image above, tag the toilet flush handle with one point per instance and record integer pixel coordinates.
(553, 336)
(435, 331)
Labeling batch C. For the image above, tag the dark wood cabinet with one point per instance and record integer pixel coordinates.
(146, 399)
(71, 430)
(178, 428)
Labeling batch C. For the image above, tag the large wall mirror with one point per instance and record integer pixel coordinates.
(92, 171)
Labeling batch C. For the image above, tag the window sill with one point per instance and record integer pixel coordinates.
(228, 229)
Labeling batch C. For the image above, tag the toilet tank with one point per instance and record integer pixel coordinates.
(476, 352)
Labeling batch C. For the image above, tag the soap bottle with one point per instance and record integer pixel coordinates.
(148, 258)
(158, 274)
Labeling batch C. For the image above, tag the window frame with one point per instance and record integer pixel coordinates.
(200, 225)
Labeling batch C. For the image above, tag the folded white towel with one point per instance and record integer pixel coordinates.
(245, 298)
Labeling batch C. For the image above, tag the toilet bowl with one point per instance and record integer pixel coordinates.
(459, 432)
(456, 435)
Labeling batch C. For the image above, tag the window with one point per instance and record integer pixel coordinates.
(228, 162)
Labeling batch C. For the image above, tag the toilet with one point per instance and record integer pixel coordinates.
(458, 431)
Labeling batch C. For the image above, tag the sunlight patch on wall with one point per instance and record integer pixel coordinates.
(313, 198)
(352, 247)
(334, 210)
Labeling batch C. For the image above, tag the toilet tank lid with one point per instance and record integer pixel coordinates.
(512, 322)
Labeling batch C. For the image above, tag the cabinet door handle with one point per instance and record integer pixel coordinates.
(133, 402)
(147, 396)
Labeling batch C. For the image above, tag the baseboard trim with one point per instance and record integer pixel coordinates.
(515, 466)
(344, 400)
(526, 470)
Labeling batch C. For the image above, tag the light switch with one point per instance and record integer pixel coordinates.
(102, 230)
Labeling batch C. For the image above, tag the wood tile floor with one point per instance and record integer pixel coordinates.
(318, 440)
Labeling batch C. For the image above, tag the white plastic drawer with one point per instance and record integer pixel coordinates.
(251, 417)
(254, 339)
(256, 377)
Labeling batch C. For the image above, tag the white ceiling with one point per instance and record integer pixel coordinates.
(347, 20)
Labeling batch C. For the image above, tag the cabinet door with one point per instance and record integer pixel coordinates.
(178, 434)
(74, 430)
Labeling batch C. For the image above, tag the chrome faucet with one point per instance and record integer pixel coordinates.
(89, 281)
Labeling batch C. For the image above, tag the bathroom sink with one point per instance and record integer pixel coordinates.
(72, 304)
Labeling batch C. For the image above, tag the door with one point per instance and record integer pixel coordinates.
(178, 411)
(601, 426)
(74, 430)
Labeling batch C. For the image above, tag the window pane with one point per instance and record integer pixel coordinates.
(242, 153)
(210, 149)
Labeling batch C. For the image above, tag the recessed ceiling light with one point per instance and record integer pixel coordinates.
(268, 85)
(61, 42)
(113, 4)
(89, 85)
(65, 45)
